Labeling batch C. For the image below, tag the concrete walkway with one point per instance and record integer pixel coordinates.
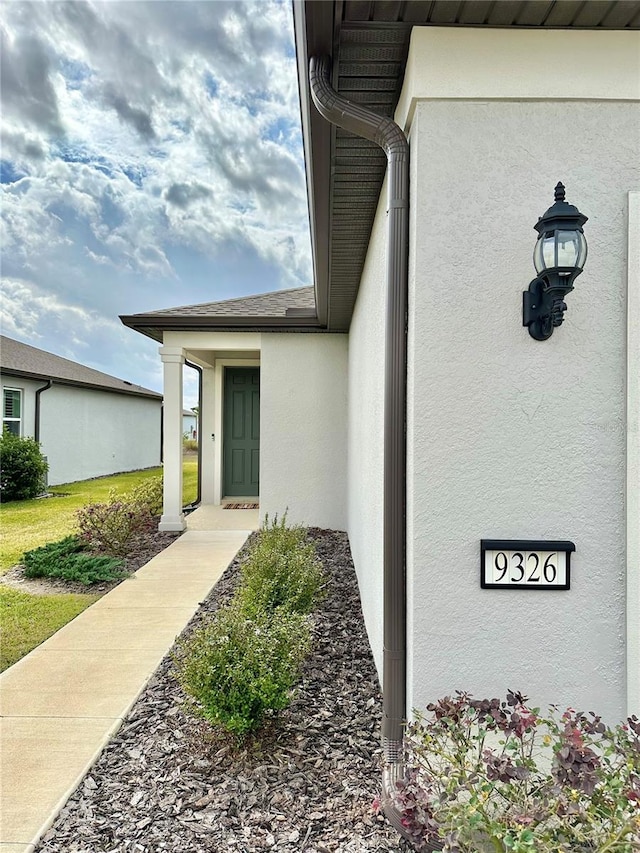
(63, 702)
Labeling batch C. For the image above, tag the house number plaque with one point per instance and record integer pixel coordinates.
(525, 564)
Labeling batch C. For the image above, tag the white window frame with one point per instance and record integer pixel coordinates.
(5, 420)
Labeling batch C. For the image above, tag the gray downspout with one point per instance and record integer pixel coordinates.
(36, 426)
(389, 136)
(195, 503)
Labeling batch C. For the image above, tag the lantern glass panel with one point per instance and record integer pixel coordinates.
(568, 248)
(544, 252)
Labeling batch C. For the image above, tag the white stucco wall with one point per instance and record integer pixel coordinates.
(366, 433)
(303, 428)
(86, 433)
(509, 437)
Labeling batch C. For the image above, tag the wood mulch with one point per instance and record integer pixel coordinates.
(167, 782)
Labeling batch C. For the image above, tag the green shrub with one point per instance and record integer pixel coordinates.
(190, 444)
(147, 494)
(67, 560)
(22, 468)
(239, 669)
(109, 527)
(281, 571)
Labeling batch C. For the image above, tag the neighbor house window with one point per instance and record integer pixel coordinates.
(12, 410)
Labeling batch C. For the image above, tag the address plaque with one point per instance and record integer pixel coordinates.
(525, 564)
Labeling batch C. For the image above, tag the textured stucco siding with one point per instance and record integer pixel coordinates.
(510, 437)
(86, 433)
(303, 428)
(366, 431)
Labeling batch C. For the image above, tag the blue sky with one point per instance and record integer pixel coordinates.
(151, 157)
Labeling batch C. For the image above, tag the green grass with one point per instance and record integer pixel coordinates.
(27, 620)
(30, 524)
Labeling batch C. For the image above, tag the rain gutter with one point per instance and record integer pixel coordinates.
(390, 137)
(195, 503)
(36, 426)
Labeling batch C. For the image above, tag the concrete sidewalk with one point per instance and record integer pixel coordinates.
(63, 702)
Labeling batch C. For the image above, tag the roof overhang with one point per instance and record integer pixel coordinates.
(368, 41)
(74, 383)
(154, 326)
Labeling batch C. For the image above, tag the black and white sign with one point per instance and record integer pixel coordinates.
(525, 564)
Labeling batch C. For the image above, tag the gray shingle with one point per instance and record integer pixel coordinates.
(273, 304)
(21, 359)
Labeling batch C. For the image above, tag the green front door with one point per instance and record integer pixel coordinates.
(241, 455)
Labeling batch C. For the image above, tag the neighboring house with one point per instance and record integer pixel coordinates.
(507, 437)
(89, 424)
(189, 424)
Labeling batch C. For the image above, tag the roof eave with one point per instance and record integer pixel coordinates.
(313, 28)
(153, 325)
(56, 380)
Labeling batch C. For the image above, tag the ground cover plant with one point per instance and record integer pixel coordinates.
(490, 775)
(69, 560)
(22, 467)
(239, 669)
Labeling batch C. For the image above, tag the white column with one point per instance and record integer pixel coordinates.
(173, 362)
(209, 441)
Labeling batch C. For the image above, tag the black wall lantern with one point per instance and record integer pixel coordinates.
(558, 257)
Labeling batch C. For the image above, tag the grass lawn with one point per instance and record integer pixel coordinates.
(26, 620)
(29, 524)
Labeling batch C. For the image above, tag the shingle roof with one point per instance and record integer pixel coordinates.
(280, 310)
(273, 304)
(20, 359)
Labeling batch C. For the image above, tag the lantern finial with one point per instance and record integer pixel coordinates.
(559, 192)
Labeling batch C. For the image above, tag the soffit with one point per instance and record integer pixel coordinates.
(369, 43)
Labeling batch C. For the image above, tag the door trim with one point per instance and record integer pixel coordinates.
(220, 364)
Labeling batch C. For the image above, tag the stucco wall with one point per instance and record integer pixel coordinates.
(86, 433)
(510, 437)
(303, 416)
(366, 434)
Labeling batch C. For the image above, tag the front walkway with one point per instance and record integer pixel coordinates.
(63, 702)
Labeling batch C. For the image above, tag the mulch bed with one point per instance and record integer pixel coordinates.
(167, 782)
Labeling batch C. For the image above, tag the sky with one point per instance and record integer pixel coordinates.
(151, 157)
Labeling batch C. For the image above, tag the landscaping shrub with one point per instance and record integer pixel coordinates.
(281, 571)
(22, 468)
(68, 560)
(485, 776)
(109, 527)
(147, 494)
(241, 668)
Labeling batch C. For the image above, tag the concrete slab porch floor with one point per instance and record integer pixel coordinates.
(62, 703)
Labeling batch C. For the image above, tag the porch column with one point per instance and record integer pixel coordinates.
(209, 441)
(173, 362)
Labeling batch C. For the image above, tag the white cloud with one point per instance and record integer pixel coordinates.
(152, 157)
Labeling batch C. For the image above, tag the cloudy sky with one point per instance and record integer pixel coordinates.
(151, 157)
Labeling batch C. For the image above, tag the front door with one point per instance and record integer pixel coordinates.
(241, 453)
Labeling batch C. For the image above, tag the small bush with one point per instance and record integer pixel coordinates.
(109, 527)
(190, 444)
(489, 775)
(22, 468)
(282, 571)
(147, 494)
(239, 669)
(67, 560)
